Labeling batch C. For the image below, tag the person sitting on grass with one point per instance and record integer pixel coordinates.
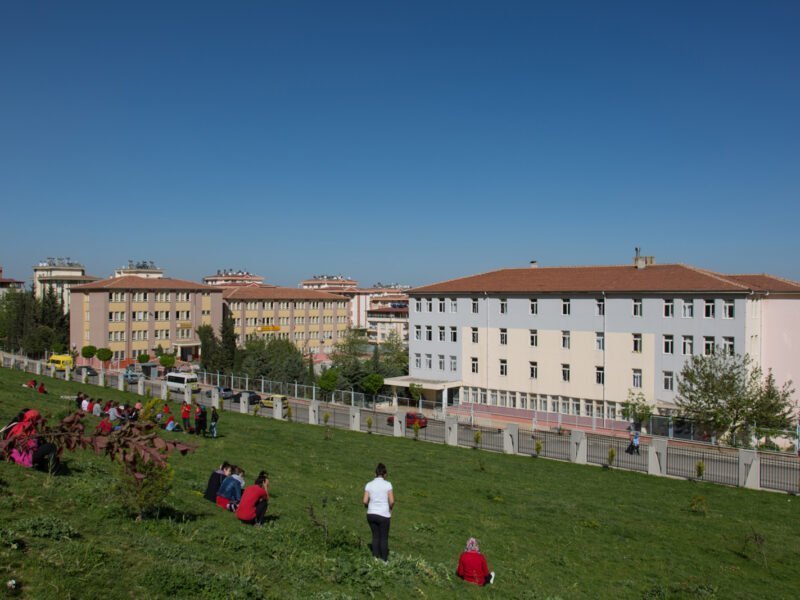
(230, 492)
(472, 565)
(31, 384)
(27, 450)
(85, 401)
(104, 427)
(255, 500)
(41, 389)
(215, 481)
(97, 409)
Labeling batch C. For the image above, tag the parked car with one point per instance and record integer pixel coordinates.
(268, 402)
(411, 419)
(90, 371)
(224, 392)
(255, 398)
(131, 376)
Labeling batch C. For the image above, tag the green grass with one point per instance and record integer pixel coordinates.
(549, 529)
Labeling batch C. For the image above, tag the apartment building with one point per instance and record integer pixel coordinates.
(578, 340)
(313, 319)
(132, 315)
(230, 277)
(59, 274)
(7, 283)
(387, 316)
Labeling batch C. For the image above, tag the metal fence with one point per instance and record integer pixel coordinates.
(554, 444)
(718, 465)
(779, 472)
(625, 456)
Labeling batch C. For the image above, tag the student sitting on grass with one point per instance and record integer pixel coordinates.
(104, 427)
(255, 499)
(42, 389)
(31, 384)
(26, 448)
(230, 492)
(472, 565)
(215, 481)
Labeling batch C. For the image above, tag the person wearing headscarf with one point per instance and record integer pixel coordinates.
(26, 448)
(472, 565)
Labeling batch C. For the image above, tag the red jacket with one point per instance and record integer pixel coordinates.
(186, 411)
(472, 567)
(247, 505)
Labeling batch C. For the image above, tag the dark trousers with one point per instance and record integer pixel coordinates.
(380, 535)
(261, 510)
(45, 458)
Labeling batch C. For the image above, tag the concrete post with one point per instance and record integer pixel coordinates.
(215, 397)
(140, 386)
(244, 403)
(84, 377)
(577, 446)
(164, 390)
(67, 374)
(657, 457)
(394, 397)
(38, 367)
(120, 383)
(52, 371)
(101, 379)
(399, 424)
(355, 418)
(313, 412)
(451, 431)
(749, 469)
(277, 409)
(187, 394)
(511, 438)
(444, 403)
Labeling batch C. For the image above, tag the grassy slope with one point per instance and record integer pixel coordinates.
(549, 529)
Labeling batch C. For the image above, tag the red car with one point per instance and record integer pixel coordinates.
(411, 419)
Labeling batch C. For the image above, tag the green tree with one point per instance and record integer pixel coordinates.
(39, 340)
(143, 358)
(347, 357)
(18, 318)
(209, 348)
(167, 360)
(394, 356)
(729, 395)
(372, 383)
(88, 352)
(329, 380)
(636, 408)
(104, 355)
(227, 353)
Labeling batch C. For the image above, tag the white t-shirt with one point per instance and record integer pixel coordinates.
(378, 490)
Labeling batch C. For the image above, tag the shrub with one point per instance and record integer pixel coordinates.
(288, 412)
(698, 505)
(325, 418)
(538, 447)
(415, 427)
(700, 469)
(143, 495)
(49, 527)
(477, 438)
(612, 454)
(150, 410)
(369, 424)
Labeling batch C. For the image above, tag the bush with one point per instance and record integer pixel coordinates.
(612, 454)
(538, 447)
(476, 437)
(700, 469)
(143, 496)
(415, 427)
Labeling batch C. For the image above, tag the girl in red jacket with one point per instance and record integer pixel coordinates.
(472, 565)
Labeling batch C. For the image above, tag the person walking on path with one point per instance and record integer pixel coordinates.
(379, 500)
(214, 419)
(635, 443)
(472, 565)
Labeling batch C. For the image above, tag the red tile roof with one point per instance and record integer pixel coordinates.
(610, 279)
(267, 292)
(132, 282)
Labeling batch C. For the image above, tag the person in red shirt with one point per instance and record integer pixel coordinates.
(253, 505)
(104, 427)
(472, 565)
(42, 389)
(186, 412)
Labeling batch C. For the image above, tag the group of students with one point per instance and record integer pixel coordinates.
(201, 419)
(112, 415)
(226, 488)
(34, 386)
(379, 502)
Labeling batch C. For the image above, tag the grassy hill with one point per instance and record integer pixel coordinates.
(549, 529)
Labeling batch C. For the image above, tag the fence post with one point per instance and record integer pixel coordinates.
(450, 431)
(399, 424)
(313, 413)
(510, 438)
(244, 403)
(187, 394)
(215, 397)
(657, 457)
(120, 383)
(749, 469)
(355, 418)
(140, 386)
(38, 367)
(577, 446)
(84, 377)
(52, 371)
(164, 390)
(101, 378)
(277, 408)
(295, 390)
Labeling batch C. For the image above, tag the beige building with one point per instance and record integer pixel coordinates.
(233, 277)
(388, 315)
(9, 284)
(140, 268)
(314, 320)
(133, 315)
(60, 274)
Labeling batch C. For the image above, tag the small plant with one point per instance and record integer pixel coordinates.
(538, 447)
(612, 454)
(167, 396)
(477, 438)
(758, 540)
(481, 464)
(141, 496)
(150, 410)
(700, 469)
(325, 418)
(369, 424)
(289, 412)
(415, 427)
(698, 505)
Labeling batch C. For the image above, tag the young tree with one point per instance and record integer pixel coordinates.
(394, 356)
(209, 348)
(227, 353)
(167, 360)
(348, 355)
(104, 355)
(329, 380)
(637, 409)
(143, 358)
(372, 384)
(88, 352)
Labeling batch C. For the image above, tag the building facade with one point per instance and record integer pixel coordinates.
(233, 277)
(132, 315)
(59, 274)
(313, 320)
(9, 284)
(388, 316)
(580, 340)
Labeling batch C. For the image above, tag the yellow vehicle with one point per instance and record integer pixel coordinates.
(268, 403)
(60, 362)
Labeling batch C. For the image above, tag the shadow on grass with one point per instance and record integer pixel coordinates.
(170, 513)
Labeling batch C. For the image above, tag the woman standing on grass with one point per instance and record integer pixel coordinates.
(379, 500)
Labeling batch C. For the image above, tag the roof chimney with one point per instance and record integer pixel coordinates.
(640, 262)
(534, 264)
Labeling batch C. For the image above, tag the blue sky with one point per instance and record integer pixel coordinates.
(399, 141)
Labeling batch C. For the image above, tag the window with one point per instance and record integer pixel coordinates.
(565, 308)
(534, 337)
(429, 304)
(428, 361)
(503, 367)
(418, 332)
(565, 372)
(688, 309)
(669, 344)
(669, 381)
(600, 340)
(441, 362)
(474, 305)
(600, 307)
(708, 345)
(728, 310)
(600, 375)
(533, 369)
(441, 334)
(453, 334)
(638, 311)
(453, 305)
(688, 345)
(637, 342)
(441, 305)
(534, 306)
(669, 309)
(708, 309)
(474, 364)
(429, 333)
(453, 364)
(474, 335)
(503, 306)
(565, 340)
(418, 305)
(504, 337)
(637, 378)
(727, 345)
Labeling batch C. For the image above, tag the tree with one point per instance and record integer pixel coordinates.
(39, 340)
(328, 381)
(18, 317)
(167, 360)
(88, 352)
(394, 356)
(104, 355)
(729, 395)
(227, 353)
(159, 350)
(636, 408)
(209, 348)
(372, 384)
(143, 358)
(348, 355)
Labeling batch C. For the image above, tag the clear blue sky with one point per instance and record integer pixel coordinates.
(408, 141)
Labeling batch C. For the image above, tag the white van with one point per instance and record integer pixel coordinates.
(178, 382)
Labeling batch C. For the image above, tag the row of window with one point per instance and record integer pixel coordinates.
(145, 296)
(298, 336)
(286, 305)
(637, 307)
(440, 362)
(159, 315)
(442, 333)
(542, 402)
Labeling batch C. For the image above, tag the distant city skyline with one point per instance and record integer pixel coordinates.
(404, 142)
